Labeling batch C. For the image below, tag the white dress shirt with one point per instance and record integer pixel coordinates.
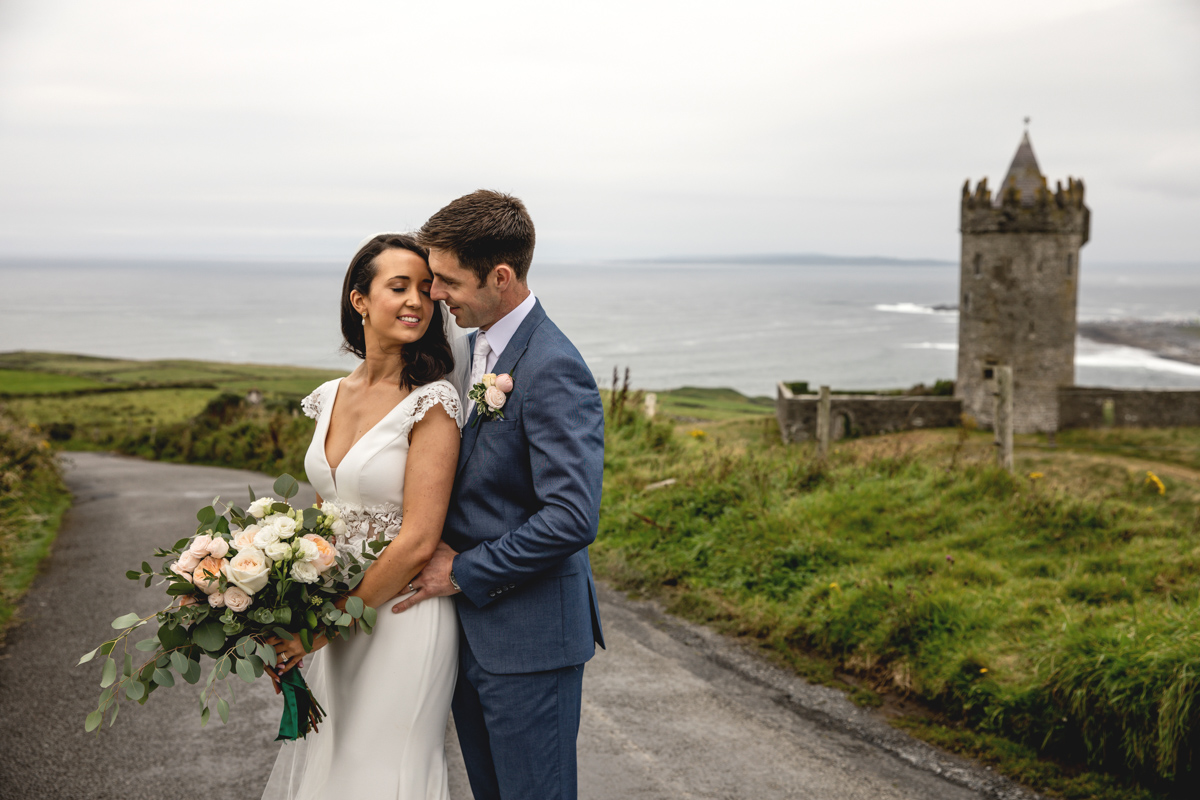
(502, 330)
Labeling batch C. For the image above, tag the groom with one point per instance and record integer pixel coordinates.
(525, 506)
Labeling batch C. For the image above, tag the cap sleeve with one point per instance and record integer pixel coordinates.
(431, 395)
(315, 402)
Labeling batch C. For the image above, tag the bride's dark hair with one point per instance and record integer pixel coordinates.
(426, 360)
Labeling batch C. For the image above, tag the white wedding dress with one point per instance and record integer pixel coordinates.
(386, 695)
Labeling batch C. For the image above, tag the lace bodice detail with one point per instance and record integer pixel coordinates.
(366, 490)
(361, 524)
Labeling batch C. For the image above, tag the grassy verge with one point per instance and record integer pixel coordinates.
(32, 501)
(1058, 612)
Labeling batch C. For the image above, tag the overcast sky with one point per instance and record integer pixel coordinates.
(631, 128)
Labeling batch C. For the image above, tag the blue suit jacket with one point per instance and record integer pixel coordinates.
(525, 507)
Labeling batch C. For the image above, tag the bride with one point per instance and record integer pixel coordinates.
(384, 453)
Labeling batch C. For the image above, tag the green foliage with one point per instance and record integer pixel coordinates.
(1054, 619)
(32, 501)
(24, 382)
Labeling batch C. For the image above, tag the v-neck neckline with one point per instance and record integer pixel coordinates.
(325, 436)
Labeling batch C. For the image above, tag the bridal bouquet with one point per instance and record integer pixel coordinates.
(270, 570)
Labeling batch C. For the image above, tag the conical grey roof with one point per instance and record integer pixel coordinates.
(1024, 174)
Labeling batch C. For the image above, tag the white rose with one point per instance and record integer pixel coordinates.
(285, 527)
(278, 551)
(218, 548)
(259, 508)
(338, 527)
(305, 572)
(331, 510)
(266, 536)
(249, 570)
(307, 550)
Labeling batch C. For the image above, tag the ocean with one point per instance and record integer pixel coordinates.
(672, 324)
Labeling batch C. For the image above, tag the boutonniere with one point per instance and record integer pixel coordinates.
(490, 395)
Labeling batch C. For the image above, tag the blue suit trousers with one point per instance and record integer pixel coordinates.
(518, 732)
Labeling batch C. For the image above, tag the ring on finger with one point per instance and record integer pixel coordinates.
(411, 588)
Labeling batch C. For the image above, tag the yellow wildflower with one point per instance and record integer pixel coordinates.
(697, 434)
(983, 670)
(835, 587)
(1036, 475)
(1156, 482)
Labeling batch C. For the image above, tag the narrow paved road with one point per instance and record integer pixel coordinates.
(670, 710)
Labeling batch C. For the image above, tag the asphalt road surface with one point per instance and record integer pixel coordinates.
(670, 710)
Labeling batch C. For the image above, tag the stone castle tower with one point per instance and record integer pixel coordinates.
(1018, 291)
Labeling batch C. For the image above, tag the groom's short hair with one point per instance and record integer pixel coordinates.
(483, 229)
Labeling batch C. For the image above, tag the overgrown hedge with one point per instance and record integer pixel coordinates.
(32, 501)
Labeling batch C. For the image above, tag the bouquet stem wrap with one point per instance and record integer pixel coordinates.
(301, 711)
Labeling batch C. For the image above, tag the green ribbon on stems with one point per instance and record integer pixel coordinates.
(301, 711)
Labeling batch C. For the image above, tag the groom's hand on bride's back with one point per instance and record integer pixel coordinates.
(433, 580)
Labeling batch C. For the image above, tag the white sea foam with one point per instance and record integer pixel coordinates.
(905, 308)
(1132, 358)
(951, 346)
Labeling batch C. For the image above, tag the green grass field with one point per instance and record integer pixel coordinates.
(17, 381)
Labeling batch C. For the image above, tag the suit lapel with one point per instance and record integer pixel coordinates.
(507, 363)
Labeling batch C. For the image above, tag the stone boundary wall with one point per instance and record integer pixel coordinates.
(862, 415)
(1085, 407)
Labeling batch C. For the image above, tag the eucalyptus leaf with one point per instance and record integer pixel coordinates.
(370, 616)
(146, 566)
(172, 637)
(132, 574)
(109, 674)
(250, 489)
(180, 587)
(287, 486)
(245, 670)
(266, 653)
(311, 515)
(283, 634)
(163, 678)
(182, 543)
(345, 620)
(209, 635)
(223, 710)
(128, 665)
(283, 615)
(126, 621)
(113, 718)
(146, 645)
(86, 657)
(192, 673)
(354, 607)
(107, 647)
(93, 720)
(204, 717)
(179, 661)
(147, 583)
(134, 690)
(280, 508)
(206, 514)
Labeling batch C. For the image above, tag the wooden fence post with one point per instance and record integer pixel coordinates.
(823, 424)
(1003, 417)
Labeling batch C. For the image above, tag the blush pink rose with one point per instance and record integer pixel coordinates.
(236, 600)
(199, 545)
(218, 547)
(188, 560)
(186, 600)
(326, 552)
(245, 539)
(216, 600)
(504, 382)
(495, 398)
(206, 573)
(179, 570)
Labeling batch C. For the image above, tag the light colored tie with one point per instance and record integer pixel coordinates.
(478, 364)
